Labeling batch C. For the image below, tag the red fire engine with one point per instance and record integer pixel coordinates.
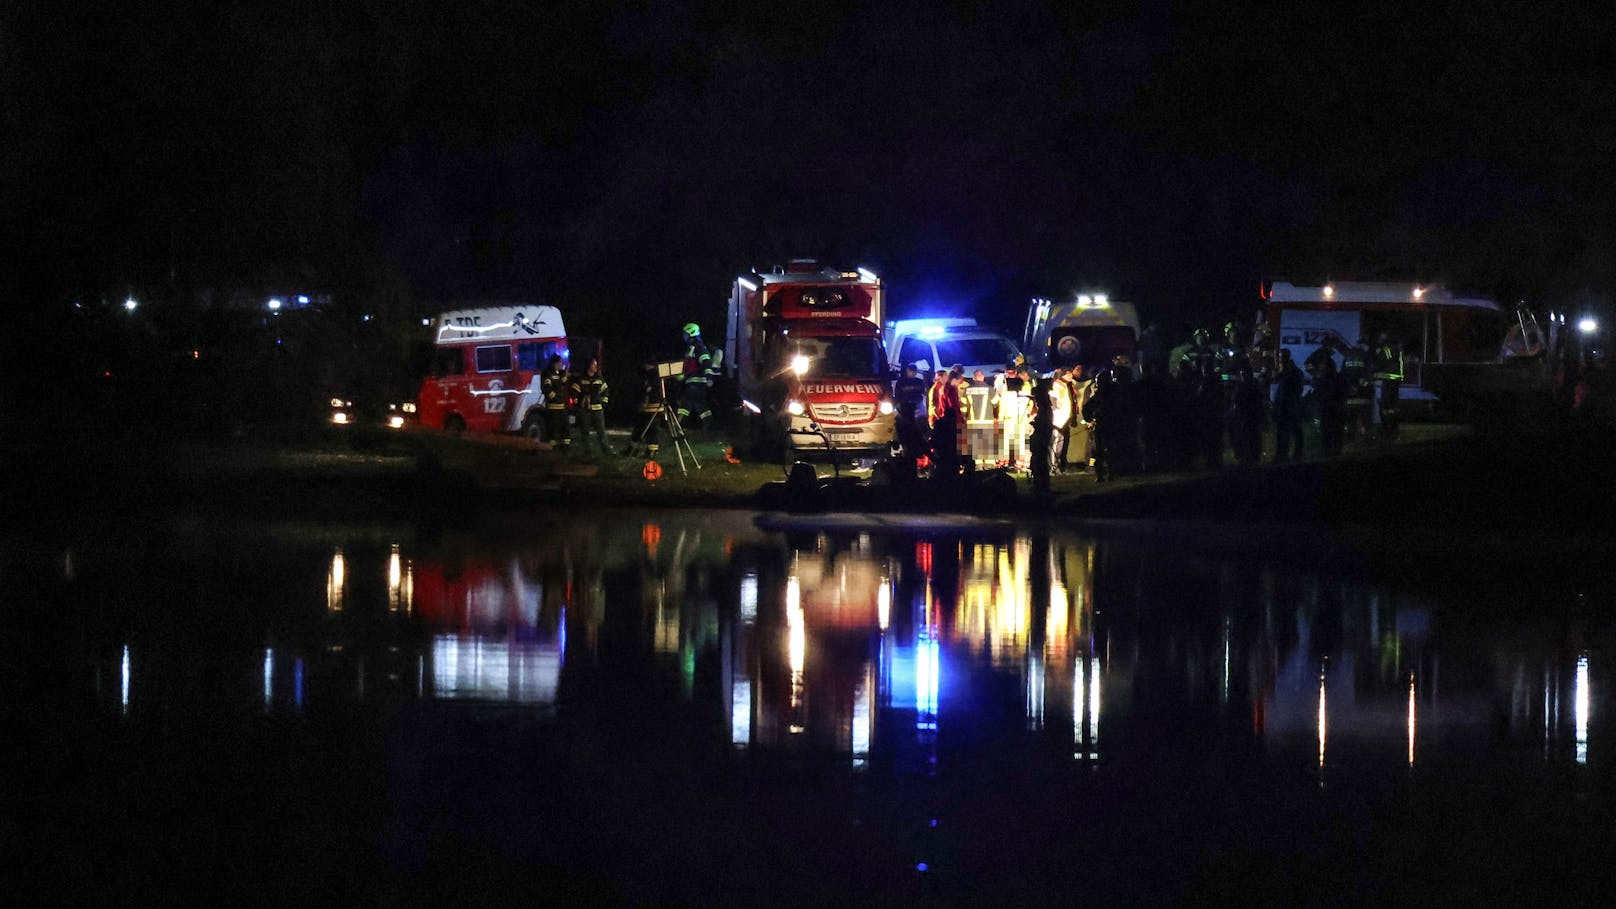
(804, 349)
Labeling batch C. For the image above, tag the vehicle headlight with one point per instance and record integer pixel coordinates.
(395, 421)
(795, 408)
(885, 407)
(339, 417)
(408, 407)
(336, 402)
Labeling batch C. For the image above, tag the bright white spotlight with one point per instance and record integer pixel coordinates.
(1587, 326)
(799, 364)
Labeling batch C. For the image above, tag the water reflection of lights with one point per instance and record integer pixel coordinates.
(269, 676)
(796, 645)
(1580, 709)
(1057, 621)
(1086, 708)
(123, 689)
(996, 607)
(1411, 721)
(883, 604)
(928, 669)
(336, 580)
(400, 583)
(863, 720)
(1322, 723)
(1035, 691)
(518, 672)
(740, 711)
(749, 596)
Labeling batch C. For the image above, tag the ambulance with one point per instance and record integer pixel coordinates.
(1089, 329)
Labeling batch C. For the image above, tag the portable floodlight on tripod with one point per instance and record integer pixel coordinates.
(669, 417)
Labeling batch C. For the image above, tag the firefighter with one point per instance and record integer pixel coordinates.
(1355, 379)
(1387, 366)
(556, 385)
(1247, 405)
(1114, 413)
(909, 393)
(1329, 394)
(1196, 359)
(1288, 409)
(1229, 357)
(1040, 437)
(715, 374)
(592, 394)
(697, 382)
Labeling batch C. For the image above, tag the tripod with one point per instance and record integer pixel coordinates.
(669, 417)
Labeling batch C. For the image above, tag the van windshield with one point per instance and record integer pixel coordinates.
(975, 352)
(857, 358)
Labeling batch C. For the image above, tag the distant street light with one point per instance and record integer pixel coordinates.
(275, 305)
(130, 303)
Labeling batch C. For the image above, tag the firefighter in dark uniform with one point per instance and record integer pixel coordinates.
(697, 382)
(556, 385)
(592, 395)
(909, 394)
(1196, 359)
(1040, 440)
(1114, 411)
(1355, 379)
(1247, 412)
(1387, 365)
(1288, 409)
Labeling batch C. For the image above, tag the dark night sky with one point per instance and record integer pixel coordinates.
(624, 160)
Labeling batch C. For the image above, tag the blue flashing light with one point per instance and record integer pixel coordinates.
(931, 331)
(302, 300)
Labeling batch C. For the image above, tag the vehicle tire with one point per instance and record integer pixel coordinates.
(454, 424)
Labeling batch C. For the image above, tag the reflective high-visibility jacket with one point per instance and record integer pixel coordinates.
(555, 384)
(592, 392)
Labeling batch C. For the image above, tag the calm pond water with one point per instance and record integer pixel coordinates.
(709, 708)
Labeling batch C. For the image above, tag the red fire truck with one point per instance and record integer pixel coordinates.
(804, 349)
(486, 367)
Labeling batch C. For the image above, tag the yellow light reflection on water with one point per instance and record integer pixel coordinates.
(995, 604)
(400, 583)
(336, 582)
(1057, 622)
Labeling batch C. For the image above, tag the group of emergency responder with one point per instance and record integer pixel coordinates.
(1183, 411)
(570, 396)
(578, 401)
(1169, 412)
(1174, 412)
